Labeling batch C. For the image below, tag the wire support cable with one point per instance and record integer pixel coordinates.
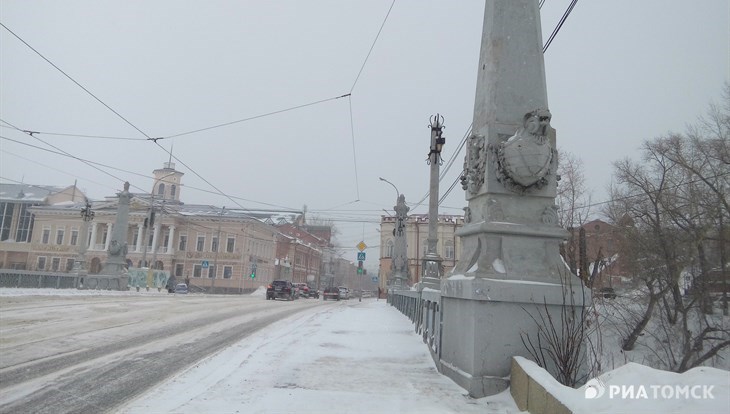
(559, 25)
(372, 46)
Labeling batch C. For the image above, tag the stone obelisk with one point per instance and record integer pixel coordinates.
(510, 263)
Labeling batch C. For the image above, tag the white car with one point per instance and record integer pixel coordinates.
(344, 292)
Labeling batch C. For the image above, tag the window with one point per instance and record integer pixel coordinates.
(197, 269)
(41, 263)
(227, 272)
(389, 248)
(75, 237)
(183, 243)
(179, 269)
(230, 244)
(6, 218)
(201, 243)
(211, 272)
(449, 249)
(25, 225)
(69, 264)
(55, 263)
(173, 190)
(106, 233)
(214, 244)
(161, 190)
(59, 236)
(135, 237)
(46, 236)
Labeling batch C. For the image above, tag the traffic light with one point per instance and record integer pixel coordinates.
(253, 271)
(359, 267)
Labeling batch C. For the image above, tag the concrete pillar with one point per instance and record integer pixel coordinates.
(92, 239)
(109, 229)
(140, 236)
(170, 239)
(155, 236)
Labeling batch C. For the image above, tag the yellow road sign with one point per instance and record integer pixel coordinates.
(361, 246)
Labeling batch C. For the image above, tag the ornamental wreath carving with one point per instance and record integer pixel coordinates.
(523, 161)
(474, 164)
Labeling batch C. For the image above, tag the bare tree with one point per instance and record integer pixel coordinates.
(676, 199)
(573, 200)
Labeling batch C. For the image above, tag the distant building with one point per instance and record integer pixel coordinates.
(603, 244)
(213, 248)
(448, 247)
(18, 246)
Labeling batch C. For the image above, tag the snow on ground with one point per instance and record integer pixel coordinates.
(348, 357)
(364, 357)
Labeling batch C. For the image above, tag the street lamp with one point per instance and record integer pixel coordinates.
(86, 215)
(432, 270)
(397, 193)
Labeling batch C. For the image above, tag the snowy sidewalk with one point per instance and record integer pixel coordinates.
(345, 357)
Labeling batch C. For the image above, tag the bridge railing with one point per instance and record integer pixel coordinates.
(424, 310)
(35, 279)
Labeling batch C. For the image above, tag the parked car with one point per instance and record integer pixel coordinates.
(303, 289)
(181, 288)
(313, 293)
(282, 289)
(344, 292)
(331, 292)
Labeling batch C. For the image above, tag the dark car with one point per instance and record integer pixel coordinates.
(331, 292)
(281, 289)
(313, 293)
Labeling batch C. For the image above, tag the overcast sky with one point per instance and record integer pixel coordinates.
(618, 72)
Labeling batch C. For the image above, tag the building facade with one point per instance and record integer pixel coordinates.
(214, 249)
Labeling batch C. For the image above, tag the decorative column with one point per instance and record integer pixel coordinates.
(510, 270)
(109, 231)
(116, 263)
(155, 236)
(399, 263)
(170, 238)
(92, 239)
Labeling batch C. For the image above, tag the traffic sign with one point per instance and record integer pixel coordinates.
(361, 246)
(361, 256)
(374, 279)
(205, 264)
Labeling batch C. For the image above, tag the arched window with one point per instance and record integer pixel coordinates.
(389, 248)
(173, 189)
(161, 189)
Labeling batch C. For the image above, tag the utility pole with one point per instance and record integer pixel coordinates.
(432, 269)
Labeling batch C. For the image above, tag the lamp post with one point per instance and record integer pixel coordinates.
(399, 256)
(80, 263)
(432, 269)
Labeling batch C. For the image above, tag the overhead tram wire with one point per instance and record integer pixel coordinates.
(89, 163)
(559, 25)
(372, 46)
(49, 167)
(117, 114)
(74, 81)
(250, 118)
(80, 135)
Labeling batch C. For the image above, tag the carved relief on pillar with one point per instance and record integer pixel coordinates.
(474, 164)
(523, 162)
(550, 215)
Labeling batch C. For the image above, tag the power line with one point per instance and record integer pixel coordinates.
(559, 25)
(74, 81)
(354, 152)
(250, 118)
(48, 166)
(372, 46)
(80, 135)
